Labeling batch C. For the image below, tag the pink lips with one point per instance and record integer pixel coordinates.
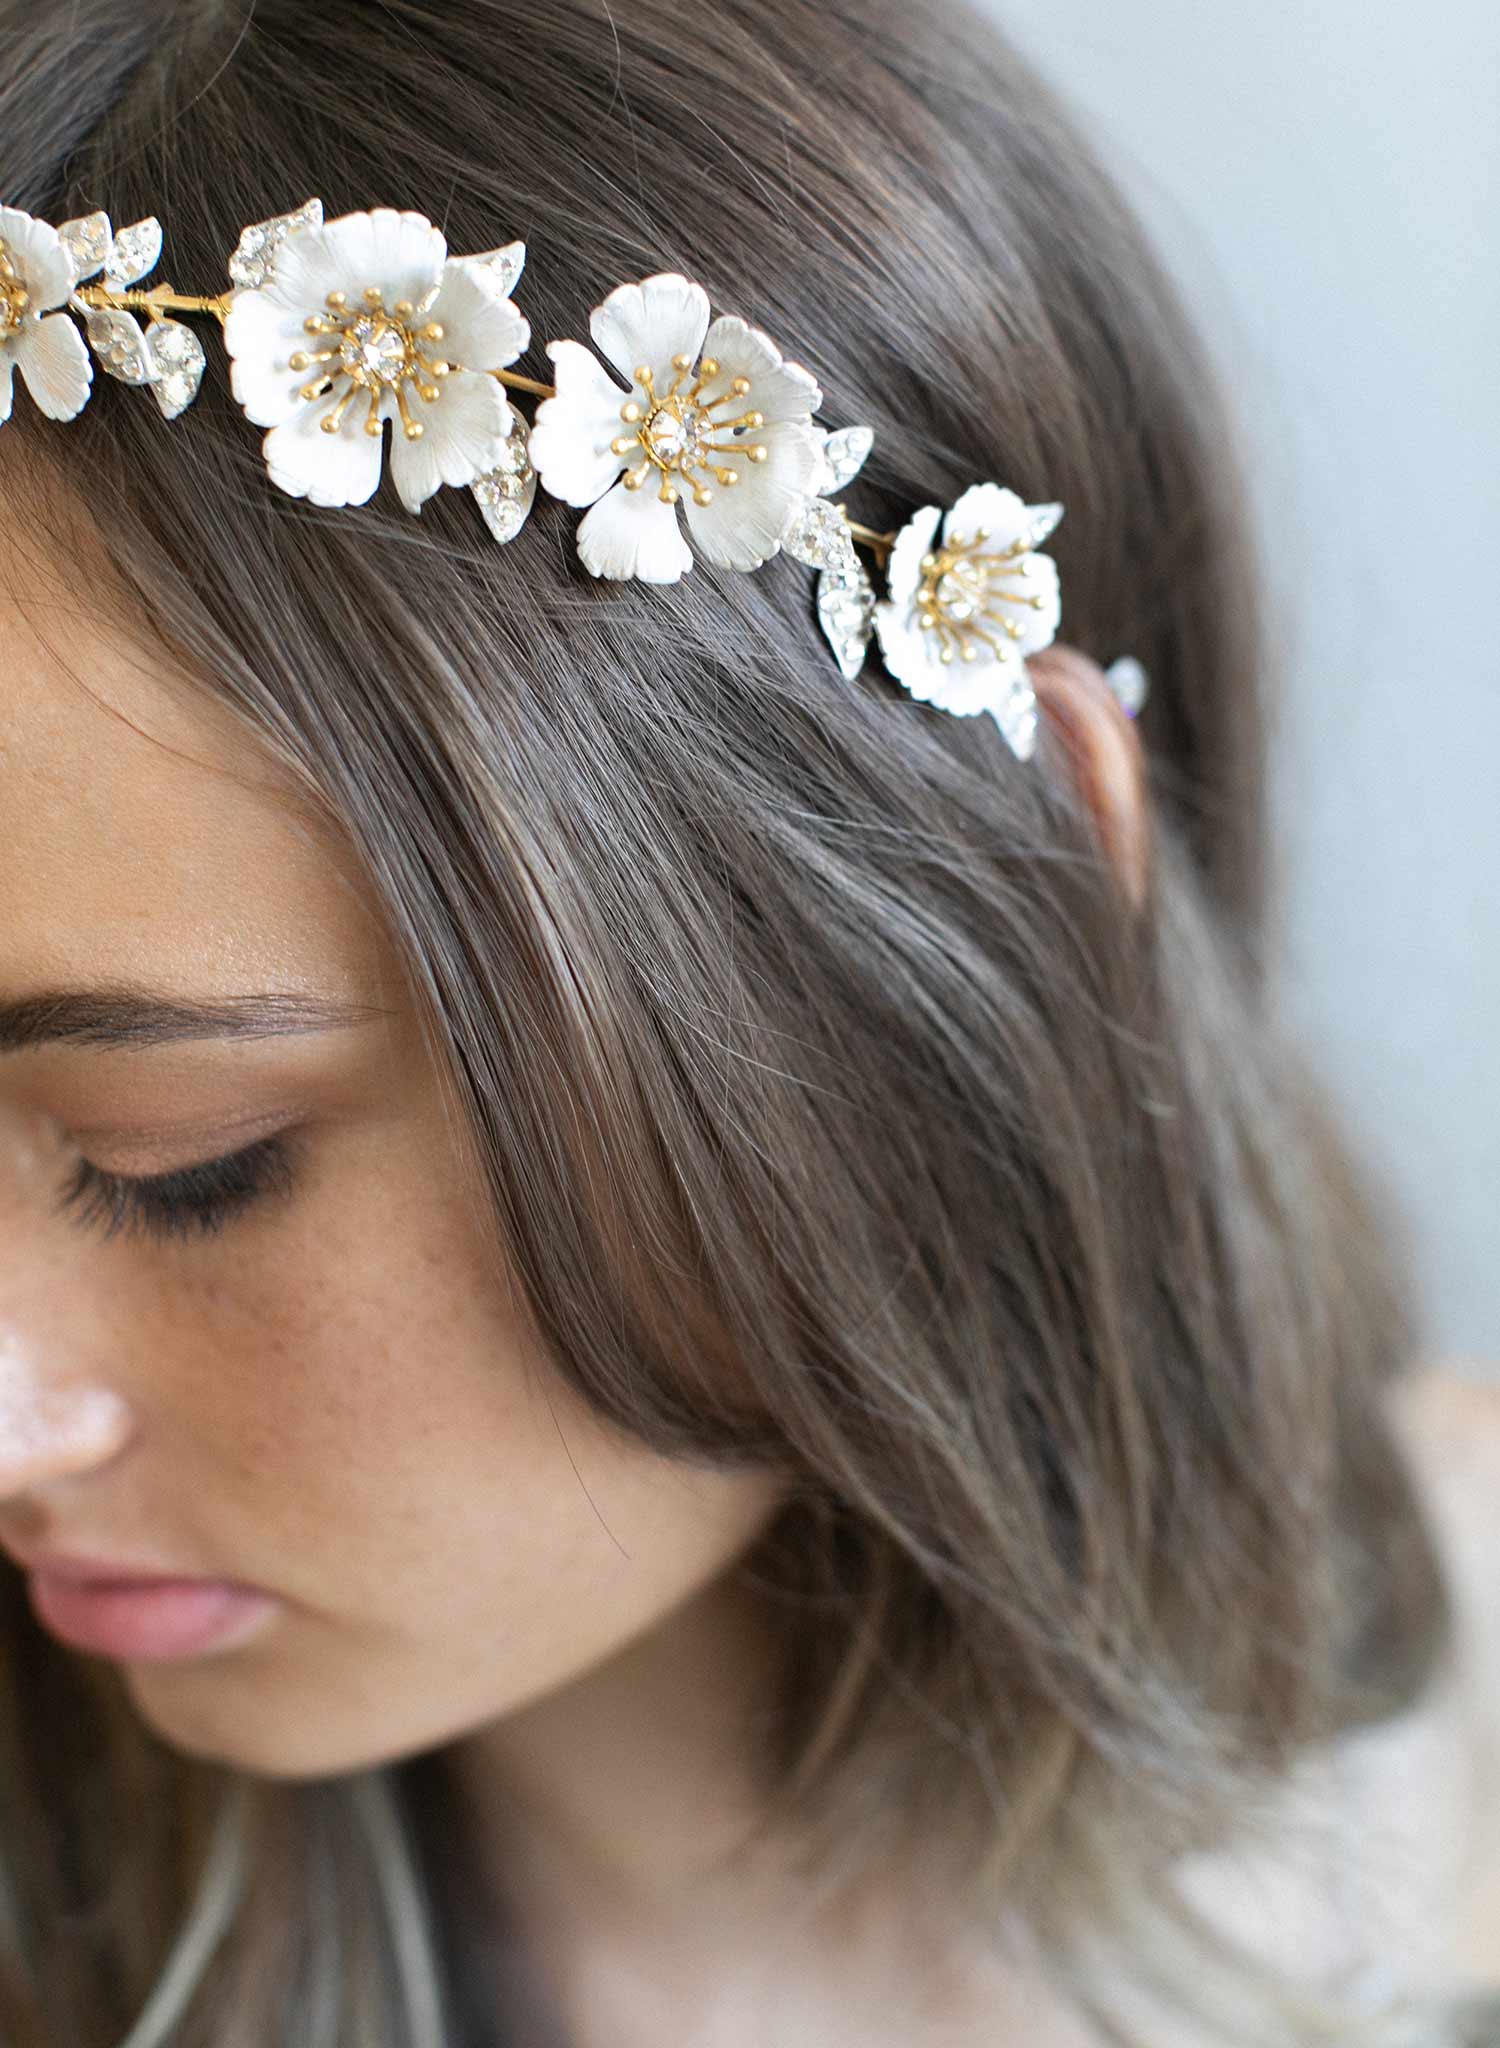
(150, 1621)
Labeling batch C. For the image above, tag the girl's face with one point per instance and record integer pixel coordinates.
(336, 1395)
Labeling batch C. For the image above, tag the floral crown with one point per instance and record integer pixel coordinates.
(334, 327)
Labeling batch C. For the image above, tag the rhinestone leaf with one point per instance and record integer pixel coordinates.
(1129, 682)
(504, 264)
(505, 494)
(1044, 518)
(254, 256)
(135, 252)
(86, 243)
(1015, 714)
(844, 455)
(177, 355)
(120, 345)
(846, 611)
(819, 535)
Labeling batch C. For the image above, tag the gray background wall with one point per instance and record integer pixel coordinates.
(1323, 176)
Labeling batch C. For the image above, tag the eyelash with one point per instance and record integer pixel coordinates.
(195, 1201)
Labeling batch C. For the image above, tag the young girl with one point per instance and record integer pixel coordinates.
(764, 1393)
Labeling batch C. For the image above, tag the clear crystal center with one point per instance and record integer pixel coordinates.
(675, 434)
(375, 349)
(960, 587)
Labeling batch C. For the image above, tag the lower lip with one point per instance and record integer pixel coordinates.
(149, 1623)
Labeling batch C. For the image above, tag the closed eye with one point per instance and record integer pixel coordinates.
(193, 1201)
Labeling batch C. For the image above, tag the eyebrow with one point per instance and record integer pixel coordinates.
(132, 1018)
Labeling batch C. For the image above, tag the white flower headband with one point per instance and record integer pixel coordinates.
(334, 327)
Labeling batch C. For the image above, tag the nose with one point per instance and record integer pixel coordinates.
(50, 1432)
(57, 1419)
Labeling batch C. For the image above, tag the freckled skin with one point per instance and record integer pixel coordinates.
(338, 1399)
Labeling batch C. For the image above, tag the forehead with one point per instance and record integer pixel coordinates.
(142, 833)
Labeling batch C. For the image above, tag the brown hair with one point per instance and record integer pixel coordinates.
(1004, 1222)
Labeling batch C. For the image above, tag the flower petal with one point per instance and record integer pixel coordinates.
(742, 526)
(1038, 622)
(571, 433)
(51, 356)
(37, 253)
(482, 329)
(632, 533)
(778, 389)
(913, 655)
(402, 253)
(7, 385)
(903, 574)
(650, 322)
(260, 334)
(326, 469)
(992, 506)
(463, 432)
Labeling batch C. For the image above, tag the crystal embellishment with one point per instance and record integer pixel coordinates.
(1128, 680)
(844, 454)
(177, 358)
(504, 266)
(133, 254)
(505, 494)
(846, 612)
(118, 342)
(86, 242)
(819, 535)
(254, 257)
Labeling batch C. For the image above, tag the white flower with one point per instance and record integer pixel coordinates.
(965, 607)
(44, 345)
(366, 319)
(714, 419)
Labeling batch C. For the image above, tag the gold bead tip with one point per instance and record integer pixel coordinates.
(630, 412)
(682, 362)
(433, 331)
(702, 495)
(338, 301)
(373, 295)
(373, 424)
(404, 309)
(758, 454)
(709, 367)
(622, 444)
(668, 494)
(298, 360)
(429, 392)
(414, 430)
(330, 425)
(739, 387)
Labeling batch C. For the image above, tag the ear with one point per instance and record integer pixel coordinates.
(1099, 740)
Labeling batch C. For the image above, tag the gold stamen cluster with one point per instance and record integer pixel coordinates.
(962, 593)
(377, 349)
(673, 432)
(14, 297)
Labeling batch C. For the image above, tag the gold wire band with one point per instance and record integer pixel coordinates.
(160, 299)
(520, 383)
(881, 542)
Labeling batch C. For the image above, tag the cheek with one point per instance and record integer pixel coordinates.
(406, 1467)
